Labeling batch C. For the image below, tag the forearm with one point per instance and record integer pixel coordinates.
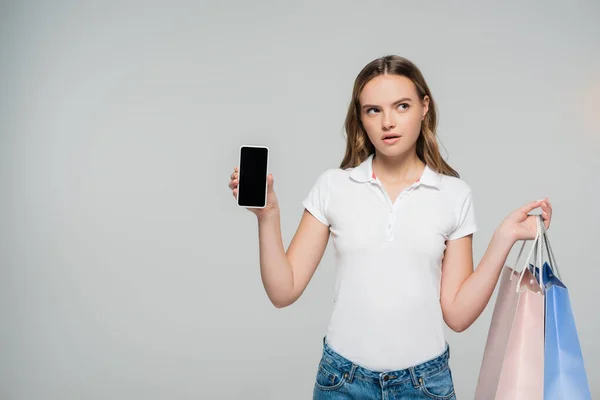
(476, 291)
(275, 268)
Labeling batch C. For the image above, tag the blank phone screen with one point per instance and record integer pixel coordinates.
(253, 177)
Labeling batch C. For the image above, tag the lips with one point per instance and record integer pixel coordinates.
(391, 136)
(391, 139)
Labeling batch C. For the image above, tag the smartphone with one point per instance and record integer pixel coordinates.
(252, 176)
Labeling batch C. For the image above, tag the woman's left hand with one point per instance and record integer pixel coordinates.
(519, 225)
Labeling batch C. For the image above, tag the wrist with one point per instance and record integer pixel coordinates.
(505, 235)
(267, 215)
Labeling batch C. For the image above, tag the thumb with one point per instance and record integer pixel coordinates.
(270, 183)
(531, 206)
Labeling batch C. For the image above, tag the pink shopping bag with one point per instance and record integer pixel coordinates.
(513, 362)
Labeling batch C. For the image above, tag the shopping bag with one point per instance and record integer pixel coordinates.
(565, 376)
(513, 360)
(498, 334)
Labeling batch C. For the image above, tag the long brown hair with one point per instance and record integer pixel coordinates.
(358, 144)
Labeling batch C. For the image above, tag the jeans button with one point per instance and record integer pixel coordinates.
(386, 378)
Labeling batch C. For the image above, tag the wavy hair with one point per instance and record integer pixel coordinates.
(358, 144)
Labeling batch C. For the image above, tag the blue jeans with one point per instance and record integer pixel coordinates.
(339, 378)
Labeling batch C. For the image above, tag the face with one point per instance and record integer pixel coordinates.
(390, 107)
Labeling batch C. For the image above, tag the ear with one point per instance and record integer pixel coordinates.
(425, 106)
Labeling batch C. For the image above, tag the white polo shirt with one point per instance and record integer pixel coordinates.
(386, 305)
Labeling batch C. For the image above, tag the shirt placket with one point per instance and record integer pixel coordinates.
(391, 220)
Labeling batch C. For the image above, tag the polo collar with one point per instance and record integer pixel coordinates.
(364, 173)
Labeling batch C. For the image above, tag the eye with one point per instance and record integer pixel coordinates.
(404, 104)
(369, 110)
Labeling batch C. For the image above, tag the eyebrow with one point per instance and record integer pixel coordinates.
(396, 102)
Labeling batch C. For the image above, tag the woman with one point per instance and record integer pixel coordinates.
(402, 222)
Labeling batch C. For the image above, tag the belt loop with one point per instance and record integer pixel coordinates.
(350, 376)
(413, 378)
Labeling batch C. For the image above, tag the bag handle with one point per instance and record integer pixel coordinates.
(551, 257)
(534, 247)
(523, 242)
(540, 256)
(520, 252)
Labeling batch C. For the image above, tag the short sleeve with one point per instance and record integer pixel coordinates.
(465, 218)
(318, 198)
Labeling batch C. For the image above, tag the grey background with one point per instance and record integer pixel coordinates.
(128, 272)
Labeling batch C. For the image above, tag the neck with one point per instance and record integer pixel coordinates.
(396, 169)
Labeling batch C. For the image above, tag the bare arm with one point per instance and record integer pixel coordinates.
(285, 275)
(465, 293)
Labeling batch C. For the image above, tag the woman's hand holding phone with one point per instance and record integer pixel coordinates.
(272, 205)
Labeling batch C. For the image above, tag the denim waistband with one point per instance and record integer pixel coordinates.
(413, 373)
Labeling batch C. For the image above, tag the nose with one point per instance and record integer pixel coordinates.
(388, 122)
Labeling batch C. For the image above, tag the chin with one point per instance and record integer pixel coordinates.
(392, 152)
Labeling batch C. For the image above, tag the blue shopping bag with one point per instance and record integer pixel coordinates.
(564, 371)
(565, 376)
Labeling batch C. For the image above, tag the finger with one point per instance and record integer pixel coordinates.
(530, 206)
(546, 218)
(547, 207)
(546, 202)
(235, 193)
(233, 184)
(236, 169)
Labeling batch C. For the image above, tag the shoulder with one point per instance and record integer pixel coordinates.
(331, 176)
(455, 187)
